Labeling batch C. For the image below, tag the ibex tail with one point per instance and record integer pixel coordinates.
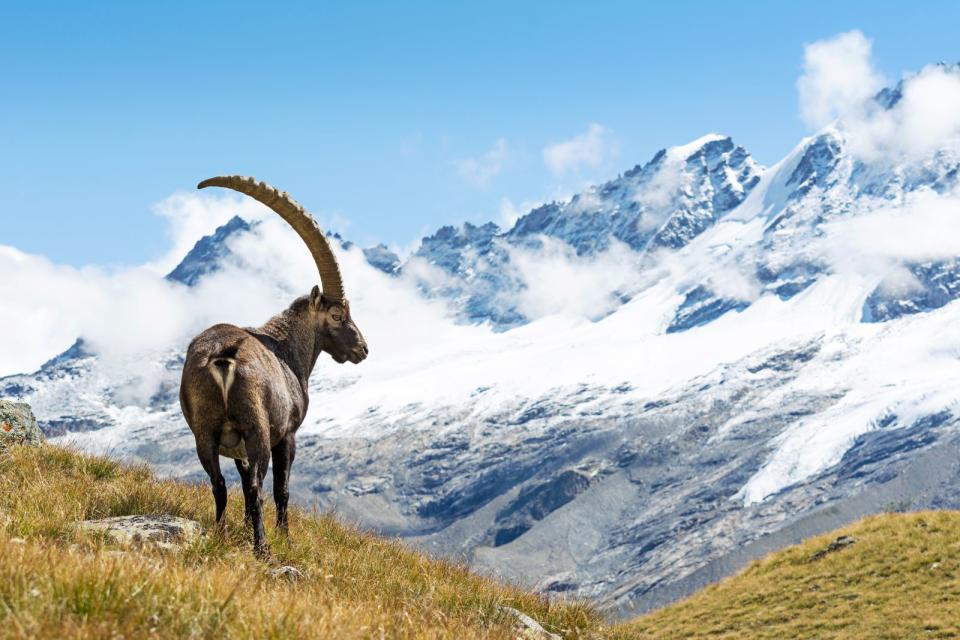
(222, 368)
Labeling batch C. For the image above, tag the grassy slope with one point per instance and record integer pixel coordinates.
(56, 583)
(901, 579)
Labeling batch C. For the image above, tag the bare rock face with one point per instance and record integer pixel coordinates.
(161, 531)
(18, 425)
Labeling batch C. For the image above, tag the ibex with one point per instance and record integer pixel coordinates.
(244, 391)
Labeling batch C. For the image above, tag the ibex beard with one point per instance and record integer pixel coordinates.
(244, 390)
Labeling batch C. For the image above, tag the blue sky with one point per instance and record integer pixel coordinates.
(388, 120)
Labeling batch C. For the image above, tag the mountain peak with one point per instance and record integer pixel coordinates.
(889, 97)
(382, 258)
(206, 254)
(666, 202)
(712, 142)
(445, 247)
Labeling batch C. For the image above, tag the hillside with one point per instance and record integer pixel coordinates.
(898, 578)
(58, 583)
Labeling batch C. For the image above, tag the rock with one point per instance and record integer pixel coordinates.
(535, 502)
(557, 583)
(287, 572)
(527, 626)
(160, 531)
(18, 425)
(836, 545)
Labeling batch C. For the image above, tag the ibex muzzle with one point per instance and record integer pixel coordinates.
(244, 390)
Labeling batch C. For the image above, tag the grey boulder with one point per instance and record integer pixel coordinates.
(18, 425)
(160, 531)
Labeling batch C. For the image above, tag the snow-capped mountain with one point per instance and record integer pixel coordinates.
(663, 204)
(623, 396)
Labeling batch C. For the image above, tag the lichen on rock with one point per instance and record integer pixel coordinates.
(139, 530)
(18, 425)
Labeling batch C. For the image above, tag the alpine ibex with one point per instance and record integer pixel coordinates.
(244, 391)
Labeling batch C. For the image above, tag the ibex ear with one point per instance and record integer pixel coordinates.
(315, 297)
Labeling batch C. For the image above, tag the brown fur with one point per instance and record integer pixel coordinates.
(244, 395)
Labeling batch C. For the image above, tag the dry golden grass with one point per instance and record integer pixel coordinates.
(900, 579)
(58, 583)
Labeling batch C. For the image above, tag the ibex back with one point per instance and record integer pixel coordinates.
(244, 390)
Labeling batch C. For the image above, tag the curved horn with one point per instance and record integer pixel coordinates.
(298, 218)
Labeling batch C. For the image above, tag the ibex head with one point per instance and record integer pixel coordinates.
(328, 310)
(338, 335)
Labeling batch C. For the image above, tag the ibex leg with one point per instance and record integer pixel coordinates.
(258, 454)
(283, 455)
(243, 468)
(209, 455)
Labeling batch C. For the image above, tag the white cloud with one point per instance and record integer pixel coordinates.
(839, 82)
(930, 109)
(588, 201)
(838, 78)
(722, 273)
(133, 317)
(588, 149)
(922, 228)
(926, 118)
(46, 306)
(480, 171)
(191, 216)
(392, 315)
(509, 213)
(662, 189)
(558, 282)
